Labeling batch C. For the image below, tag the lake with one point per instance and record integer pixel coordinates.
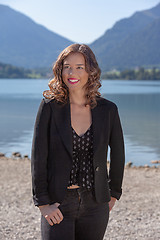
(138, 103)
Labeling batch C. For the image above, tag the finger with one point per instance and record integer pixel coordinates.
(60, 214)
(53, 219)
(49, 220)
(110, 207)
(57, 218)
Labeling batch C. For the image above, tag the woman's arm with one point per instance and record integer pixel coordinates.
(39, 166)
(40, 155)
(117, 157)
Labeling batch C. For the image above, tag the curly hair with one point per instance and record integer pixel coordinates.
(59, 91)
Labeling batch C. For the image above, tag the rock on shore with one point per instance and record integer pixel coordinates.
(135, 216)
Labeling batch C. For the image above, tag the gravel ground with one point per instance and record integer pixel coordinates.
(135, 216)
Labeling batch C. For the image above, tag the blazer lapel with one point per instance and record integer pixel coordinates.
(63, 123)
(62, 117)
(98, 120)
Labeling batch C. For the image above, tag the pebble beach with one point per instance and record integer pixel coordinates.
(135, 216)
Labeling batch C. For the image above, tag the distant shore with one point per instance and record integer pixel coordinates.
(135, 215)
(139, 73)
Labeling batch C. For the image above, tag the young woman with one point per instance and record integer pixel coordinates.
(73, 129)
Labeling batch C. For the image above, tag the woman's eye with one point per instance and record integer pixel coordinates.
(79, 67)
(65, 67)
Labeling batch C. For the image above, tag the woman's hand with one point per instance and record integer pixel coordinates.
(111, 203)
(51, 213)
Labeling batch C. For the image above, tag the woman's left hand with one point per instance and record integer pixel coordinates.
(111, 203)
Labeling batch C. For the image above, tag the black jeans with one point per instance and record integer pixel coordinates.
(84, 218)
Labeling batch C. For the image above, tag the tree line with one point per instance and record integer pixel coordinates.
(9, 71)
(133, 74)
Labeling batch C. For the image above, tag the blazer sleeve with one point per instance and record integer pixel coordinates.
(40, 154)
(117, 157)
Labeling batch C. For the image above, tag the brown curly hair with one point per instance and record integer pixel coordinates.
(58, 89)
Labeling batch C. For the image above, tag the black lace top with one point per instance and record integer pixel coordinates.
(82, 169)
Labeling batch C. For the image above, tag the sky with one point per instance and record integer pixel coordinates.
(81, 21)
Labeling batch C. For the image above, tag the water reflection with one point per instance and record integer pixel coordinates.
(140, 116)
(16, 124)
(138, 104)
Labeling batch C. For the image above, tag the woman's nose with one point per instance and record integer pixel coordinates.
(71, 71)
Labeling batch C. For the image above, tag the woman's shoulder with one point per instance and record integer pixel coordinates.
(48, 102)
(52, 104)
(106, 102)
(45, 104)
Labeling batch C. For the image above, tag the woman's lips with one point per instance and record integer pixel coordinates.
(73, 80)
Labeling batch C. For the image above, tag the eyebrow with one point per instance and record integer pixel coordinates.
(78, 64)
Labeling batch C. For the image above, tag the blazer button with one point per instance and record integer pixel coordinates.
(97, 169)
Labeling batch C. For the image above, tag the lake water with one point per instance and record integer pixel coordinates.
(138, 103)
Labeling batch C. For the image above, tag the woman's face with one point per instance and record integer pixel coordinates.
(74, 72)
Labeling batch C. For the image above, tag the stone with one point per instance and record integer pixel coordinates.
(16, 154)
(146, 166)
(2, 154)
(129, 164)
(155, 161)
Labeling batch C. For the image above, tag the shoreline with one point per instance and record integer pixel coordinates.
(153, 163)
(135, 216)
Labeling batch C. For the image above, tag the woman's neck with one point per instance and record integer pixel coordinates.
(77, 98)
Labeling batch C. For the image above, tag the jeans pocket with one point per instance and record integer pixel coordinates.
(69, 205)
(64, 203)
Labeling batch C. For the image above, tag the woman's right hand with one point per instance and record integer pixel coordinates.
(51, 213)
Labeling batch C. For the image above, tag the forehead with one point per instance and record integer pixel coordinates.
(74, 58)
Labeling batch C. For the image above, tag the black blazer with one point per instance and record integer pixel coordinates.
(51, 159)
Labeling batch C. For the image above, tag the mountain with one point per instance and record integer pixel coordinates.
(132, 42)
(26, 43)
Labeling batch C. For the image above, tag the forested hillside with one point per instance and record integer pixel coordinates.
(25, 43)
(132, 42)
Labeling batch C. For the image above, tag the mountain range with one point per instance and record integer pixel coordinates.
(25, 43)
(130, 43)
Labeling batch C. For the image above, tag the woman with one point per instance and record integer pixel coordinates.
(73, 129)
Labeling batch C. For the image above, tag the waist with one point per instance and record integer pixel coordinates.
(73, 187)
(79, 190)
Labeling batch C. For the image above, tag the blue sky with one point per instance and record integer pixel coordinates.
(81, 21)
